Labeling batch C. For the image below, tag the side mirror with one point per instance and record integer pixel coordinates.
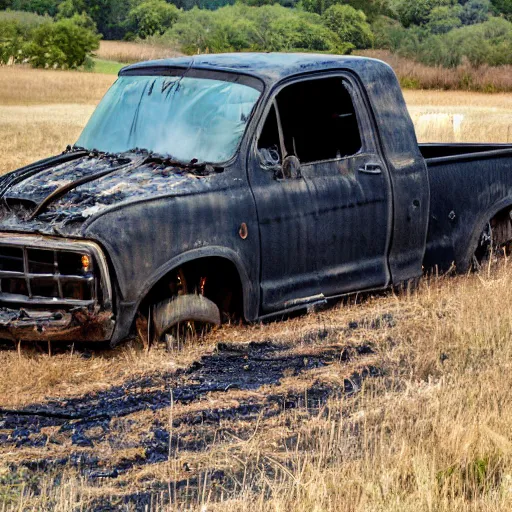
(291, 167)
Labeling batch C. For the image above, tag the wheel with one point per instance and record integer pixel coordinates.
(186, 315)
(489, 249)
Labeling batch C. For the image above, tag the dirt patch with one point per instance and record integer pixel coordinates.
(235, 374)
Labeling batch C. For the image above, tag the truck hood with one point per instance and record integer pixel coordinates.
(58, 195)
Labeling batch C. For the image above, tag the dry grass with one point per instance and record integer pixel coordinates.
(26, 86)
(31, 375)
(28, 134)
(127, 52)
(450, 116)
(433, 433)
(414, 75)
(41, 111)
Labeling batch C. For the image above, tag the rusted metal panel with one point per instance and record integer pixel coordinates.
(79, 324)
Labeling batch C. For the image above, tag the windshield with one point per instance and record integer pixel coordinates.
(184, 118)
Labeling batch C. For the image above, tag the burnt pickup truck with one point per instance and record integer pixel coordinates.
(241, 184)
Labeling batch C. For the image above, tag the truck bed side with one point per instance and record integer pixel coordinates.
(469, 185)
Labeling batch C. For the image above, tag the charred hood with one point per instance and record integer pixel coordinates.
(58, 195)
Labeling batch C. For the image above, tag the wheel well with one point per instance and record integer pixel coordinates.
(501, 225)
(497, 232)
(214, 277)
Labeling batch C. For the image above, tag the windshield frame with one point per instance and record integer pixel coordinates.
(224, 76)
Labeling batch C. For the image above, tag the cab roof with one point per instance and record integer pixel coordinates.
(268, 67)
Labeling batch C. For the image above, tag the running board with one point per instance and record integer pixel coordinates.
(310, 304)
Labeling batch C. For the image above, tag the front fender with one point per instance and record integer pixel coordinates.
(128, 310)
(250, 295)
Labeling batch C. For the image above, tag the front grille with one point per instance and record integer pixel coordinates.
(36, 274)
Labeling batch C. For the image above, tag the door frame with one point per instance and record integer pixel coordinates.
(367, 125)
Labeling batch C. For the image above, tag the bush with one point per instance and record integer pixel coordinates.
(10, 41)
(475, 11)
(503, 7)
(28, 37)
(152, 17)
(62, 44)
(349, 25)
(15, 30)
(48, 7)
(485, 43)
(25, 20)
(279, 29)
(417, 12)
(371, 8)
(388, 33)
(444, 18)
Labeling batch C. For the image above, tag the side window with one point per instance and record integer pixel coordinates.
(318, 121)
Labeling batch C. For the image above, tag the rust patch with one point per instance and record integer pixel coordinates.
(80, 324)
(243, 231)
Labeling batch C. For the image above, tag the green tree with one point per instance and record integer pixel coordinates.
(241, 27)
(372, 8)
(444, 18)
(484, 43)
(68, 8)
(349, 25)
(475, 11)
(62, 44)
(417, 12)
(259, 3)
(152, 17)
(503, 7)
(11, 40)
(37, 6)
(389, 33)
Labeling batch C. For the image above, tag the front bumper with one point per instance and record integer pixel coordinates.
(32, 317)
(78, 324)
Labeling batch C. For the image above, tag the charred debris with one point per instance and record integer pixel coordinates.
(75, 193)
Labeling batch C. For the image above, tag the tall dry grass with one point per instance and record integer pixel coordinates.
(433, 433)
(42, 111)
(450, 116)
(21, 85)
(414, 75)
(128, 52)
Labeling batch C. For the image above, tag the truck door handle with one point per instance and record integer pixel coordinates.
(371, 169)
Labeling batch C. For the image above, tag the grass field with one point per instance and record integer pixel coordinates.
(128, 52)
(389, 403)
(107, 67)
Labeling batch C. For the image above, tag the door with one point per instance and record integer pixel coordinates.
(322, 192)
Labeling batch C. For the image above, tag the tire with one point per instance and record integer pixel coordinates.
(184, 309)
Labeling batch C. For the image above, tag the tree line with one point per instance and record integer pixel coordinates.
(63, 33)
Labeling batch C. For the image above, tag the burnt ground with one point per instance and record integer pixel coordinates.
(137, 430)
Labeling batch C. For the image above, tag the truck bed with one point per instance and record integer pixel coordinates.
(469, 184)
